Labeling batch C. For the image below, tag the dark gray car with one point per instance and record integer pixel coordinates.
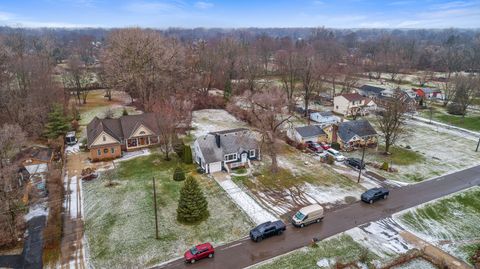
(375, 194)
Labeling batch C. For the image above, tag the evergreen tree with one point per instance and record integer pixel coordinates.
(192, 206)
(179, 147)
(187, 155)
(125, 112)
(179, 174)
(57, 124)
(227, 92)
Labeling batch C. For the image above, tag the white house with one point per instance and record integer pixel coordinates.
(303, 134)
(324, 118)
(225, 150)
(350, 104)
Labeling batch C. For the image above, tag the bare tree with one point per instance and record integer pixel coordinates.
(78, 79)
(288, 69)
(309, 74)
(467, 88)
(12, 138)
(174, 115)
(268, 112)
(391, 119)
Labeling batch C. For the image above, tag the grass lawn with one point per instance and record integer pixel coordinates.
(471, 121)
(119, 220)
(451, 223)
(340, 248)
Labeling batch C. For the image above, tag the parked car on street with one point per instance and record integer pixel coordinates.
(336, 155)
(375, 194)
(267, 229)
(314, 146)
(199, 252)
(355, 162)
(307, 215)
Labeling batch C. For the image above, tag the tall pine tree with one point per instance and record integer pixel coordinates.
(192, 206)
(187, 154)
(57, 124)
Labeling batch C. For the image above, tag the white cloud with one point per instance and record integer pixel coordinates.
(453, 4)
(203, 5)
(154, 6)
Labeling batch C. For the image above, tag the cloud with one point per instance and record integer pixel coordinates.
(4, 16)
(453, 4)
(154, 6)
(318, 2)
(203, 5)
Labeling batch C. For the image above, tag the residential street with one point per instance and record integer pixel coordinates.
(243, 253)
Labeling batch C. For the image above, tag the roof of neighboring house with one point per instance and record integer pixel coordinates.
(352, 96)
(231, 141)
(348, 129)
(372, 89)
(430, 90)
(324, 113)
(310, 131)
(122, 127)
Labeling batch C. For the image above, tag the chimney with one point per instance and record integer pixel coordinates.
(334, 132)
(217, 140)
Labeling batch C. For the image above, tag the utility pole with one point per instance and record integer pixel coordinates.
(478, 144)
(361, 164)
(155, 207)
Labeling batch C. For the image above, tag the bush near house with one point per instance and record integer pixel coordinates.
(335, 146)
(187, 155)
(192, 206)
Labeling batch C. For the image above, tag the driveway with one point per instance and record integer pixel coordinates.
(243, 253)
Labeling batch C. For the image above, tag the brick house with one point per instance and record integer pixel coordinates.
(107, 138)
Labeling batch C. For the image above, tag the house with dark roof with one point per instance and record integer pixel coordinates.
(107, 138)
(352, 134)
(324, 117)
(370, 91)
(225, 150)
(303, 134)
(351, 104)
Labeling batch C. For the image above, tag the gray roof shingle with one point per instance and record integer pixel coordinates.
(310, 131)
(231, 141)
(347, 130)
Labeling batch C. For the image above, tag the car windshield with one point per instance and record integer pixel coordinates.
(299, 216)
(194, 250)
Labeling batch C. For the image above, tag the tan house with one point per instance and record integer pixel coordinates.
(107, 138)
(303, 134)
(352, 134)
(351, 104)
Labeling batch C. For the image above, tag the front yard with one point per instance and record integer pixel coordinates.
(451, 223)
(119, 220)
(425, 152)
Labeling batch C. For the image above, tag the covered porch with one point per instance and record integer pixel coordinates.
(141, 142)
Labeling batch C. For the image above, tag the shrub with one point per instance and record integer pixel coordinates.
(335, 145)
(301, 146)
(179, 174)
(179, 147)
(187, 155)
(455, 109)
(384, 166)
(125, 112)
(192, 206)
(330, 159)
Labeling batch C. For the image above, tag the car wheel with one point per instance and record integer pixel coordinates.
(210, 255)
(385, 196)
(302, 225)
(371, 201)
(258, 239)
(192, 261)
(279, 232)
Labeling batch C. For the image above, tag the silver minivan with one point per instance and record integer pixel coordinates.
(307, 215)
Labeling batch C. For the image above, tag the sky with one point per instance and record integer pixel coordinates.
(241, 13)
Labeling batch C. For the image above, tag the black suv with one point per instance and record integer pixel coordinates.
(374, 194)
(267, 229)
(355, 162)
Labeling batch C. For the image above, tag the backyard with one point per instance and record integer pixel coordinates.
(450, 223)
(124, 235)
(471, 121)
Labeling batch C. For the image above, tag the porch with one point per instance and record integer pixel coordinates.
(141, 142)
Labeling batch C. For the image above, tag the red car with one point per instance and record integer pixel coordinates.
(199, 252)
(324, 145)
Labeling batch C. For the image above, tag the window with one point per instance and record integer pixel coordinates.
(104, 139)
(132, 142)
(337, 107)
(153, 139)
(105, 151)
(112, 150)
(99, 152)
(231, 157)
(142, 132)
(251, 153)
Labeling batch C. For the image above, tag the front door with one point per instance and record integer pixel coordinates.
(244, 157)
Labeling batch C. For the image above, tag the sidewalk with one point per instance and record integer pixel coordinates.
(257, 213)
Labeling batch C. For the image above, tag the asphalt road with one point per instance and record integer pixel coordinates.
(244, 252)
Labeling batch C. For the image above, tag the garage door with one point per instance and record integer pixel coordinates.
(215, 167)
